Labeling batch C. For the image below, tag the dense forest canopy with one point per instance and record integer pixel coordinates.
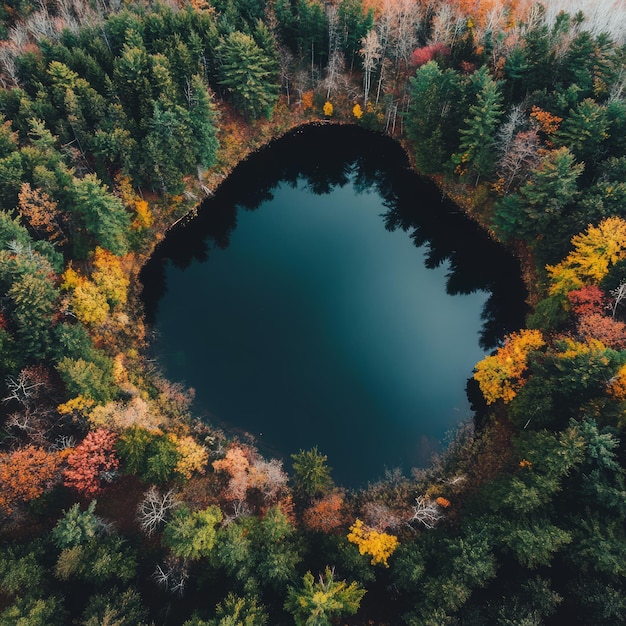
(116, 504)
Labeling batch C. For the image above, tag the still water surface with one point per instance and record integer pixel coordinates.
(315, 319)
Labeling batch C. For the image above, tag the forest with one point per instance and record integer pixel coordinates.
(118, 506)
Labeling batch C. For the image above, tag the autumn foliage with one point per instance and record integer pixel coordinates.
(423, 55)
(25, 474)
(595, 251)
(588, 300)
(380, 546)
(92, 462)
(500, 376)
(247, 471)
(327, 514)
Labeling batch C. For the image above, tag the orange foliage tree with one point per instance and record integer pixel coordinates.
(92, 462)
(500, 375)
(41, 213)
(547, 122)
(610, 332)
(25, 474)
(236, 464)
(326, 514)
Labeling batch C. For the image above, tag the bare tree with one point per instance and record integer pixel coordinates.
(172, 576)
(427, 512)
(9, 67)
(240, 508)
(520, 159)
(22, 388)
(618, 294)
(370, 51)
(154, 508)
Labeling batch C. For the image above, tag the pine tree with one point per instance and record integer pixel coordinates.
(476, 153)
(246, 72)
(320, 602)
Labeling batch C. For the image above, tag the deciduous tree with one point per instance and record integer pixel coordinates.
(25, 474)
(500, 376)
(92, 463)
(380, 546)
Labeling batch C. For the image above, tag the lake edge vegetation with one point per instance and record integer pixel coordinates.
(117, 505)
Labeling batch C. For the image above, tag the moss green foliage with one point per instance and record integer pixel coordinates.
(311, 473)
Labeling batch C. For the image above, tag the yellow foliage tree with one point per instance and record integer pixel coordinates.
(357, 111)
(500, 375)
(595, 251)
(193, 456)
(89, 304)
(570, 349)
(110, 277)
(143, 214)
(79, 404)
(92, 300)
(328, 109)
(380, 546)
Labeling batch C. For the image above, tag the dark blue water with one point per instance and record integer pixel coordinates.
(315, 319)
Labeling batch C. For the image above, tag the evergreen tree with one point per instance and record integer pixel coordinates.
(312, 475)
(319, 603)
(101, 214)
(476, 153)
(584, 132)
(430, 123)
(246, 73)
(202, 123)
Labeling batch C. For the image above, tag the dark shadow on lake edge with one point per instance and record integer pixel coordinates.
(329, 156)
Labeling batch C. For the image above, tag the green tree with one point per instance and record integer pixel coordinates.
(99, 561)
(319, 603)
(102, 215)
(476, 153)
(34, 612)
(312, 475)
(202, 123)
(192, 534)
(34, 297)
(584, 132)
(246, 74)
(259, 553)
(237, 610)
(21, 573)
(431, 121)
(354, 23)
(76, 526)
(115, 608)
(168, 147)
(91, 379)
(536, 212)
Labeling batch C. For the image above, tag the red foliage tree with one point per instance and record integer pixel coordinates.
(423, 55)
(587, 301)
(25, 474)
(92, 462)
